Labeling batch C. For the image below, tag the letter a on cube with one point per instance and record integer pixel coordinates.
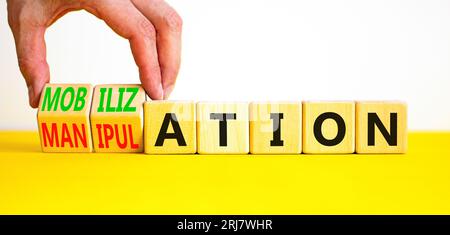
(63, 118)
(169, 127)
(328, 127)
(381, 127)
(222, 128)
(276, 128)
(117, 118)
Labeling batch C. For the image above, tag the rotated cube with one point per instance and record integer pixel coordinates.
(117, 118)
(63, 118)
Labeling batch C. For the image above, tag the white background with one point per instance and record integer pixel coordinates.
(265, 50)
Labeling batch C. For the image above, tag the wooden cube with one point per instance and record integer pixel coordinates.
(276, 128)
(117, 118)
(63, 118)
(222, 128)
(170, 127)
(328, 127)
(381, 127)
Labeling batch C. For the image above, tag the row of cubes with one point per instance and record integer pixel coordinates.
(117, 118)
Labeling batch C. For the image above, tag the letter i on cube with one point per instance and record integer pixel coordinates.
(117, 118)
(275, 128)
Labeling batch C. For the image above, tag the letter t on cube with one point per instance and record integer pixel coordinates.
(222, 128)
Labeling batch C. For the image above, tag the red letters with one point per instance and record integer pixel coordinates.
(110, 132)
(69, 136)
(82, 136)
(65, 136)
(53, 139)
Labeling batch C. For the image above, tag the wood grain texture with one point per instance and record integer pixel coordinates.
(117, 118)
(208, 129)
(63, 118)
(384, 110)
(183, 113)
(329, 128)
(265, 122)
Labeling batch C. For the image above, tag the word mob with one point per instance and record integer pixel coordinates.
(117, 118)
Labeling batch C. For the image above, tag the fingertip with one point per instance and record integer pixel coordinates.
(167, 91)
(31, 97)
(154, 92)
(34, 104)
(34, 93)
(151, 82)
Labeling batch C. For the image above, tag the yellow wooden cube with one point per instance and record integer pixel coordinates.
(63, 118)
(169, 127)
(381, 127)
(117, 118)
(328, 127)
(276, 128)
(222, 128)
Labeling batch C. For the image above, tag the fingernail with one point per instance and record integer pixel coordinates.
(167, 92)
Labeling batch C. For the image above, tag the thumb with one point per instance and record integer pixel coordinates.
(31, 56)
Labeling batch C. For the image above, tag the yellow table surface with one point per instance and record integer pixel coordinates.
(32, 182)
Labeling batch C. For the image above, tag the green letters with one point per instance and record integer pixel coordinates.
(133, 91)
(49, 101)
(80, 101)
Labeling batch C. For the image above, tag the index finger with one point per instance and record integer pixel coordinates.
(168, 26)
(128, 22)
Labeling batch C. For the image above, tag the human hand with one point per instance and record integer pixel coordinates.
(152, 27)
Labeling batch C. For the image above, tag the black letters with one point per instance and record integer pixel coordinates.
(170, 118)
(372, 120)
(318, 129)
(223, 117)
(276, 119)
